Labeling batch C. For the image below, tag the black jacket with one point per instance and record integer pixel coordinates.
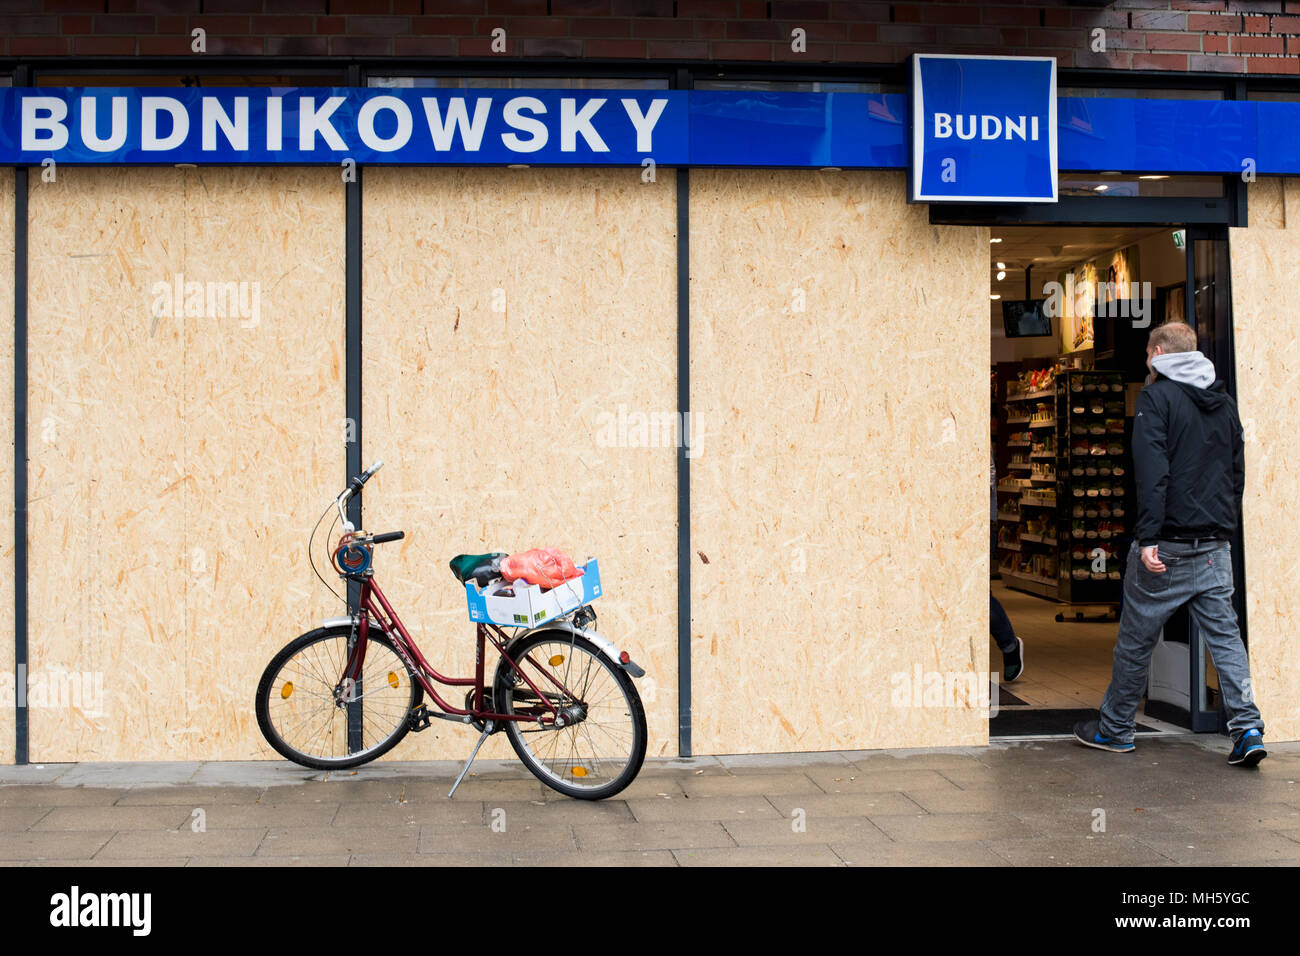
(1188, 462)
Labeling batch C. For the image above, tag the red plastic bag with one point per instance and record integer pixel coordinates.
(545, 566)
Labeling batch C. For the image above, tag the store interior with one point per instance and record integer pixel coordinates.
(1070, 312)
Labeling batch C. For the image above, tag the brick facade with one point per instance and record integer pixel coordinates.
(1229, 36)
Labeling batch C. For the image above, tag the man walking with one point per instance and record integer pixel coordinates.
(1189, 466)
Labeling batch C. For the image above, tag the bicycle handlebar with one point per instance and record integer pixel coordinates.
(355, 486)
(387, 536)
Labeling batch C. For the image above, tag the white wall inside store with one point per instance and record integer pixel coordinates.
(1160, 262)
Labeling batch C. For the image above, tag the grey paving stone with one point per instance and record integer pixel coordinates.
(53, 845)
(1026, 779)
(876, 761)
(170, 844)
(140, 774)
(515, 838)
(321, 841)
(242, 816)
(766, 763)
(114, 864)
(850, 779)
(726, 785)
(517, 788)
(356, 814)
(20, 818)
(325, 859)
(682, 809)
(1216, 849)
(30, 795)
(576, 858)
(563, 810)
(812, 855)
(650, 836)
(251, 774)
(343, 790)
(32, 773)
(114, 818)
(845, 804)
(988, 800)
(815, 830)
(193, 796)
(1232, 817)
(945, 853)
(434, 860)
(1102, 849)
(953, 826)
(1081, 820)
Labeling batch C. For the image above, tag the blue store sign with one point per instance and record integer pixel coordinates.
(983, 129)
(977, 129)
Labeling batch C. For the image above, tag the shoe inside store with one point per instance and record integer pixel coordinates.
(1071, 308)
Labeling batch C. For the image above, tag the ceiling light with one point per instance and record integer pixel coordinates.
(1153, 177)
(1002, 265)
(995, 239)
(1001, 276)
(1100, 189)
(994, 295)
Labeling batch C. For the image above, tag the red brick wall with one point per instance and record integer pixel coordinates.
(1233, 36)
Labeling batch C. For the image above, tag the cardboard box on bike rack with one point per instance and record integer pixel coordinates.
(520, 604)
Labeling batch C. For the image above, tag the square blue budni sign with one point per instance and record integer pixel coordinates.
(983, 129)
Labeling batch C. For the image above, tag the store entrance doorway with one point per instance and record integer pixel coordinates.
(1070, 311)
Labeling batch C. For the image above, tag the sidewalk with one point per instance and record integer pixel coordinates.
(1174, 801)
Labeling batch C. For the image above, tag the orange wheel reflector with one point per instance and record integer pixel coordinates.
(286, 690)
(579, 771)
(392, 680)
(557, 660)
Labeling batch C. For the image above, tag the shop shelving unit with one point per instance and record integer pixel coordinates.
(1027, 500)
(1092, 487)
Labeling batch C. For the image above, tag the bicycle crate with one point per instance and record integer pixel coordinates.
(521, 604)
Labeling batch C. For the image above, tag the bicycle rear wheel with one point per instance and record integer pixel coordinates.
(303, 710)
(601, 749)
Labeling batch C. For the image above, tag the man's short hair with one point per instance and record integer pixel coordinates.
(1173, 337)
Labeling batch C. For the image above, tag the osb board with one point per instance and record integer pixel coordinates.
(1267, 197)
(839, 504)
(8, 675)
(1264, 297)
(178, 460)
(509, 316)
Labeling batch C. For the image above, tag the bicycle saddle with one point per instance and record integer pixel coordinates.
(479, 568)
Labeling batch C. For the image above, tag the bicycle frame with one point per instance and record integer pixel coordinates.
(374, 606)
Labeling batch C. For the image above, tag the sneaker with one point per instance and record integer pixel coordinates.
(1088, 733)
(1249, 750)
(1013, 663)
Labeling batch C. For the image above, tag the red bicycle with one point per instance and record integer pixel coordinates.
(350, 690)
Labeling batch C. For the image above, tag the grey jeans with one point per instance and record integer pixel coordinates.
(1199, 575)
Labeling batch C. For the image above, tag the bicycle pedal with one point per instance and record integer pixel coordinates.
(419, 719)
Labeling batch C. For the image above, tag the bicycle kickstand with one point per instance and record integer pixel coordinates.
(465, 769)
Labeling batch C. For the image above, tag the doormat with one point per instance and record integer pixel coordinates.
(1035, 723)
(1006, 698)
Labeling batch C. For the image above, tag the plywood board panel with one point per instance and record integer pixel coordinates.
(839, 516)
(186, 412)
(8, 678)
(1267, 197)
(1265, 297)
(513, 319)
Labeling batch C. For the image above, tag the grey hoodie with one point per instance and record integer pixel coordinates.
(1190, 368)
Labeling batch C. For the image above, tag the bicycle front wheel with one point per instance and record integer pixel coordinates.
(602, 744)
(308, 716)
